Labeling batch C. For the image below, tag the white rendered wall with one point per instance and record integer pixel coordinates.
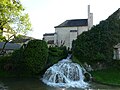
(63, 35)
(118, 53)
(47, 38)
(55, 39)
(82, 29)
(73, 36)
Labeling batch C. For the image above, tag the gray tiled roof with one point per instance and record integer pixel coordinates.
(10, 46)
(48, 34)
(22, 39)
(74, 22)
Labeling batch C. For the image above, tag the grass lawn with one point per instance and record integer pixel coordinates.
(108, 76)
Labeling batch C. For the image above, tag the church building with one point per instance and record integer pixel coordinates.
(68, 31)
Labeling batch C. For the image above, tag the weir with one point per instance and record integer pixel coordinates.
(65, 74)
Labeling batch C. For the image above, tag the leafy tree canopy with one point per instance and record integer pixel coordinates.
(35, 55)
(13, 18)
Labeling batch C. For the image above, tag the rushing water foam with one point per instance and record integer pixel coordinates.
(65, 74)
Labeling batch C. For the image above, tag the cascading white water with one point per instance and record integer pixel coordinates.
(65, 74)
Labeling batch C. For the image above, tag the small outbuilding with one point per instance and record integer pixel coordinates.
(9, 47)
(116, 52)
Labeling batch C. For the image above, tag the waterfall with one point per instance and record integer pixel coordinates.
(65, 74)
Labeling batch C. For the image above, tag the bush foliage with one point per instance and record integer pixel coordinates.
(33, 58)
(19, 63)
(35, 55)
(5, 62)
(56, 54)
(96, 45)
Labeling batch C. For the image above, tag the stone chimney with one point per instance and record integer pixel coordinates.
(90, 18)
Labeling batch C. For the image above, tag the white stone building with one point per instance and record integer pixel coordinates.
(68, 31)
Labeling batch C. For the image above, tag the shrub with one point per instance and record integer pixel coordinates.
(19, 63)
(5, 63)
(97, 44)
(35, 55)
(56, 54)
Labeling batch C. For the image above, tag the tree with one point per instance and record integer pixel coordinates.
(2, 39)
(35, 55)
(96, 45)
(13, 19)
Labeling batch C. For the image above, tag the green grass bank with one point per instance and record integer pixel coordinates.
(108, 76)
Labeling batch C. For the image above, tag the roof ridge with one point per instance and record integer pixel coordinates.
(73, 23)
(76, 19)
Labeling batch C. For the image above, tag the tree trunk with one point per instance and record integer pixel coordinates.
(3, 48)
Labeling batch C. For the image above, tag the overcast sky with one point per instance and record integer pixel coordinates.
(45, 14)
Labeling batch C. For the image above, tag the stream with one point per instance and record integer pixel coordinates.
(36, 84)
